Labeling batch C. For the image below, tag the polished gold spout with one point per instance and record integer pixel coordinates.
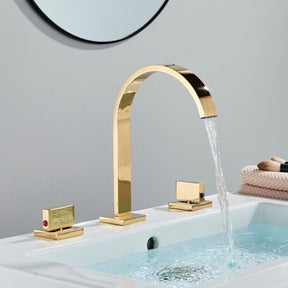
(121, 132)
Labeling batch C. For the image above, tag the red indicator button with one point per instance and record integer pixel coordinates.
(45, 223)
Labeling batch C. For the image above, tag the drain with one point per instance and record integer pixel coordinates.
(152, 243)
(187, 273)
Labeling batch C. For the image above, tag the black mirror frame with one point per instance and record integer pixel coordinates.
(59, 29)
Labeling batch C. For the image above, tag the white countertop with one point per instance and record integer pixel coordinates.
(18, 268)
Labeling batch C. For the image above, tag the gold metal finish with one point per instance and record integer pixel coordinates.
(57, 223)
(59, 234)
(186, 191)
(132, 218)
(121, 128)
(188, 206)
(190, 197)
(57, 218)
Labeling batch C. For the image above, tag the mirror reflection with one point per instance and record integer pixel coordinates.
(101, 21)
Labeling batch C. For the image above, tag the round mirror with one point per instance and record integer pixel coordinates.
(101, 21)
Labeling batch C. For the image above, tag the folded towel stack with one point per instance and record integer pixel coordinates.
(264, 183)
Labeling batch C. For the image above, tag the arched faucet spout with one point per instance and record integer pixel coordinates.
(121, 132)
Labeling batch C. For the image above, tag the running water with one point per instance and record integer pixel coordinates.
(210, 124)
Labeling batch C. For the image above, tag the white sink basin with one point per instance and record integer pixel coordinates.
(63, 261)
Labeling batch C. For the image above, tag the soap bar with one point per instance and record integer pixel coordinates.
(189, 191)
(57, 218)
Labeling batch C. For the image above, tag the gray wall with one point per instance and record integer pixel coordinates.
(57, 98)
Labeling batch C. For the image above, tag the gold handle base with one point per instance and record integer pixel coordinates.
(111, 219)
(59, 234)
(186, 206)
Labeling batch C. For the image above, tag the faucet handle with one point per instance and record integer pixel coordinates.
(190, 191)
(58, 218)
(57, 223)
(190, 196)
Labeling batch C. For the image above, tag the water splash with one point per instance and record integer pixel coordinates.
(200, 259)
(210, 124)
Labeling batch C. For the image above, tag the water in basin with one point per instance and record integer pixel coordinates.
(189, 251)
(201, 259)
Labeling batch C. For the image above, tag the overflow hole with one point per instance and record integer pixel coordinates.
(152, 243)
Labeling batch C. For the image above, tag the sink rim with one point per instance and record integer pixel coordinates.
(24, 245)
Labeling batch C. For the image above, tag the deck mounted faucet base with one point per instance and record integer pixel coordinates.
(186, 206)
(59, 234)
(133, 218)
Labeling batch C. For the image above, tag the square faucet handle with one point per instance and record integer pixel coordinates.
(58, 218)
(58, 224)
(190, 191)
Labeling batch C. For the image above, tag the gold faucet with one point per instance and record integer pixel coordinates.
(121, 133)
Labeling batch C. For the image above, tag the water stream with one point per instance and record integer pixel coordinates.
(210, 124)
(186, 263)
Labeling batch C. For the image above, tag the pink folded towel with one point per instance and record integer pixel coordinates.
(247, 189)
(267, 179)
